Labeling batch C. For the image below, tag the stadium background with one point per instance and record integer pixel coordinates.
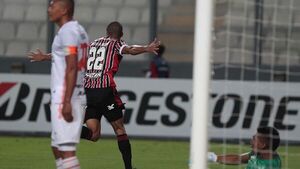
(24, 28)
(237, 34)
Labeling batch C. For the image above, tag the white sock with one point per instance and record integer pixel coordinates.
(59, 163)
(71, 163)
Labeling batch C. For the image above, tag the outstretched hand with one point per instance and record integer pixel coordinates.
(38, 56)
(154, 46)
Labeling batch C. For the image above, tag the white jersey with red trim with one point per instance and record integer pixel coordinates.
(70, 39)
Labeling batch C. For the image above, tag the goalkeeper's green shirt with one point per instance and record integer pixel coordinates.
(255, 162)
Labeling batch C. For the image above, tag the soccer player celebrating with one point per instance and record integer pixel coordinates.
(104, 57)
(263, 155)
(68, 57)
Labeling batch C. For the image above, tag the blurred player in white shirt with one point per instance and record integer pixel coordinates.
(68, 56)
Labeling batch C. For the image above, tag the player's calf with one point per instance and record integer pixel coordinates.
(88, 134)
(125, 149)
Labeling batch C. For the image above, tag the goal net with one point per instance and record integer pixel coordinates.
(256, 75)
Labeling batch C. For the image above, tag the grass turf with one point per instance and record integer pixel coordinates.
(35, 153)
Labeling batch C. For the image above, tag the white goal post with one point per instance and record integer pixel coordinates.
(201, 78)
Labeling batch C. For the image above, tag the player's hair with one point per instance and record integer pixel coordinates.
(114, 29)
(271, 136)
(161, 49)
(70, 6)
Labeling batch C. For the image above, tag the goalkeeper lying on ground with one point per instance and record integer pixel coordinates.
(263, 155)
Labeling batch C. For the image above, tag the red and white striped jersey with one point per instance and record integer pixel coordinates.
(104, 57)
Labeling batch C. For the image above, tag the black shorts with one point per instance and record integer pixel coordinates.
(103, 101)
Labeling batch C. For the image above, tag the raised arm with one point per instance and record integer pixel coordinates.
(138, 49)
(38, 56)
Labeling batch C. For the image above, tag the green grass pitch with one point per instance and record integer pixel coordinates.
(35, 153)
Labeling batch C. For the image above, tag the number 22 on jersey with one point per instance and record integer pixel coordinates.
(96, 58)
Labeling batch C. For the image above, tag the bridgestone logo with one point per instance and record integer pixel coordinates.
(162, 108)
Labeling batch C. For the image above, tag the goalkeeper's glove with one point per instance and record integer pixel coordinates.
(212, 157)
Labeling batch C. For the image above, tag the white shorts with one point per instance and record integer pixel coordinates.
(62, 131)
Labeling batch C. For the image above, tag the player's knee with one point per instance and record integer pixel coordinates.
(120, 131)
